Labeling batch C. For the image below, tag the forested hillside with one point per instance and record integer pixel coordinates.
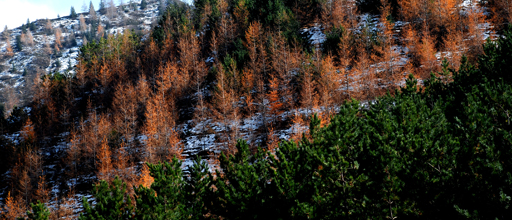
(46, 46)
(239, 109)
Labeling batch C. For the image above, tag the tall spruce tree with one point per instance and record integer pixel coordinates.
(31, 25)
(143, 4)
(103, 7)
(19, 43)
(73, 14)
(112, 202)
(92, 12)
(39, 212)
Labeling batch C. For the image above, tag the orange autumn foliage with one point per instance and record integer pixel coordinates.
(145, 178)
(13, 208)
(104, 162)
(328, 84)
(274, 104)
(162, 141)
(427, 56)
(308, 94)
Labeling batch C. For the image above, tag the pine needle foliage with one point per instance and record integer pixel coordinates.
(434, 152)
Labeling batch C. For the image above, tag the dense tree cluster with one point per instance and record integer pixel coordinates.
(436, 153)
(428, 149)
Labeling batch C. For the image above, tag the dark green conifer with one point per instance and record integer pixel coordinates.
(19, 44)
(112, 202)
(92, 12)
(72, 14)
(39, 212)
(143, 5)
(103, 7)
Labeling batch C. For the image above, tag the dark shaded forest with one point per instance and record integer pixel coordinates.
(398, 110)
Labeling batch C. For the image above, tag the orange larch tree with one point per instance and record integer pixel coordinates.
(193, 66)
(95, 130)
(151, 130)
(282, 63)
(412, 46)
(83, 25)
(170, 82)
(58, 39)
(308, 94)
(427, 54)
(43, 192)
(299, 127)
(474, 34)
(13, 207)
(151, 59)
(100, 32)
(257, 65)
(162, 140)
(454, 48)
(105, 77)
(345, 48)
(124, 167)
(25, 186)
(125, 108)
(392, 75)
(8, 49)
(274, 103)
(143, 90)
(145, 178)
(252, 42)
(226, 28)
(241, 15)
(444, 15)
(223, 98)
(64, 210)
(272, 140)
(225, 105)
(74, 154)
(104, 162)
(501, 12)
(328, 85)
(34, 163)
(48, 26)
(247, 86)
(339, 14)
(214, 47)
(365, 69)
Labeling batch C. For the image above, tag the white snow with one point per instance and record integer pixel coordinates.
(316, 34)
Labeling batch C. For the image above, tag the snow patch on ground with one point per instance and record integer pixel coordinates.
(315, 33)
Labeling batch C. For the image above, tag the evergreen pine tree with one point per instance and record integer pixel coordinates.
(161, 7)
(92, 12)
(166, 197)
(5, 33)
(73, 14)
(132, 5)
(19, 43)
(112, 202)
(39, 212)
(31, 25)
(143, 5)
(28, 23)
(103, 7)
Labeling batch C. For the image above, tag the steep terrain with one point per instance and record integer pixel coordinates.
(99, 101)
(54, 46)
